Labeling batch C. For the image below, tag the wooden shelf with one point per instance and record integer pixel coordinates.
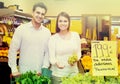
(3, 59)
(9, 12)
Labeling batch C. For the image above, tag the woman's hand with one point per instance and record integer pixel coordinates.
(72, 64)
(60, 65)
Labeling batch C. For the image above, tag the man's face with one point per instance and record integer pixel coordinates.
(38, 14)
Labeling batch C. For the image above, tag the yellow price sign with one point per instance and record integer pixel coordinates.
(104, 58)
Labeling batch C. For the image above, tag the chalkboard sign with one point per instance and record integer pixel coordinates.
(104, 58)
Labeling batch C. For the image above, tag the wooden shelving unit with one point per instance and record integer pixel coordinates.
(9, 12)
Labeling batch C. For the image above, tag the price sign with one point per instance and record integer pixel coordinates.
(104, 58)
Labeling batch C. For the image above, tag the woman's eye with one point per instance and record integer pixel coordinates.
(60, 20)
(65, 21)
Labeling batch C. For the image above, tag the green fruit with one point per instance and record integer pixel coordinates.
(72, 59)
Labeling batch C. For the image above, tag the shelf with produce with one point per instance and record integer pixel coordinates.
(3, 54)
(3, 59)
(9, 12)
(9, 16)
(11, 19)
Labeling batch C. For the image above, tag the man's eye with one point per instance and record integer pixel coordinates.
(43, 14)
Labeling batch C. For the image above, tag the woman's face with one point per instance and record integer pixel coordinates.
(63, 23)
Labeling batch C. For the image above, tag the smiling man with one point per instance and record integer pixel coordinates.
(30, 40)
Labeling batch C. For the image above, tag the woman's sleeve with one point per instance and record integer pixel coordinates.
(79, 45)
(51, 47)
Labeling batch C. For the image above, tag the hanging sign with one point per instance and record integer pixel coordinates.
(104, 58)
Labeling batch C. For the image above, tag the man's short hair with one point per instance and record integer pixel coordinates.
(40, 4)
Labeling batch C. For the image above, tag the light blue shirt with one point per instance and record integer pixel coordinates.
(32, 45)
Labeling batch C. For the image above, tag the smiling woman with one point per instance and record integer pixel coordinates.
(62, 46)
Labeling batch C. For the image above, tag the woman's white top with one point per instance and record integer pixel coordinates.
(60, 50)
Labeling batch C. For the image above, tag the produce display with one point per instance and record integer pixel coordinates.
(87, 78)
(86, 62)
(119, 66)
(32, 78)
(7, 39)
(3, 51)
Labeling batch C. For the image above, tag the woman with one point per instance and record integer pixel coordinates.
(62, 45)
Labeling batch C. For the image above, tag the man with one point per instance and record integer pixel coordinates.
(31, 40)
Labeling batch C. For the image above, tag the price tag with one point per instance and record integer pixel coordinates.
(104, 58)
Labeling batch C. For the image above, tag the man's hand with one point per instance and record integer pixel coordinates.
(15, 74)
(38, 73)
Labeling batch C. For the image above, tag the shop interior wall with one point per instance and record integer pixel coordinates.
(73, 7)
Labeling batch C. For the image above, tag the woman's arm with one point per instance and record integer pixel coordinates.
(79, 46)
(51, 48)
